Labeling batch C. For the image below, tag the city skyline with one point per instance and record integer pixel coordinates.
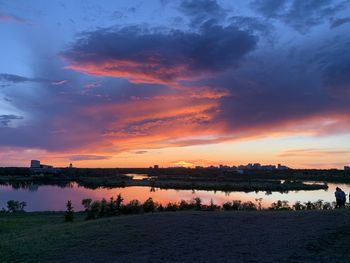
(175, 83)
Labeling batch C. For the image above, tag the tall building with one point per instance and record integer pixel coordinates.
(346, 168)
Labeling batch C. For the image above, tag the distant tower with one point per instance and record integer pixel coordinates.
(34, 164)
(70, 165)
(156, 166)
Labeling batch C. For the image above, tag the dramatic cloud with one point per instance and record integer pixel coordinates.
(150, 56)
(299, 14)
(225, 73)
(202, 10)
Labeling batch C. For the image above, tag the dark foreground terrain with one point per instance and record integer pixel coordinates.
(268, 236)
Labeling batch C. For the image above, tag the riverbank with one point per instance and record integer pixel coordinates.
(91, 182)
(268, 236)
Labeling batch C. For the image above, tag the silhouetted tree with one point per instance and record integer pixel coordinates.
(149, 205)
(118, 204)
(197, 203)
(86, 203)
(69, 214)
(94, 211)
(15, 206)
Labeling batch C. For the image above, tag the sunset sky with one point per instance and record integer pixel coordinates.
(201, 82)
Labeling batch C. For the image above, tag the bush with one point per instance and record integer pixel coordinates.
(149, 205)
(103, 208)
(227, 206)
(160, 208)
(69, 214)
(172, 207)
(184, 205)
(133, 207)
(197, 203)
(15, 206)
(236, 205)
(280, 205)
(86, 203)
(248, 206)
(118, 204)
(94, 211)
(298, 206)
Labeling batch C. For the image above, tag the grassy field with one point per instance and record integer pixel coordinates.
(312, 236)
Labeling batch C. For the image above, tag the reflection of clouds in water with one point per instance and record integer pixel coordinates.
(53, 198)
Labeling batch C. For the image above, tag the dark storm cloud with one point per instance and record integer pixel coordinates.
(6, 119)
(150, 55)
(202, 10)
(299, 14)
(333, 61)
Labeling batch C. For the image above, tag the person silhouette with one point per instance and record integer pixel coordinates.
(340, 198)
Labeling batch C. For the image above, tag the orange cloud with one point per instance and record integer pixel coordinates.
(136, 72)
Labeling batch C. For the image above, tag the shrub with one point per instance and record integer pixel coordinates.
(248, 206)
(327, 206)
(184, 205)
(103, 208)
(172, 207)
(15, 206)
(69, 214)
(149, 205)
(309, 205)
(86, 203)
(227, 206)
(111, 207)
(236, 205)
(298, 206)
(280, 205)
(197, 203)
(94, 211)
(118, 204)
(133, 207)
(160, 208)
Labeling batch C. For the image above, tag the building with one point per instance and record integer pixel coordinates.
(34, 164)
(156, 166)
(70, 165)
(346, 168)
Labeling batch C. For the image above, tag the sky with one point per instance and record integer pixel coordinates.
(175, 83)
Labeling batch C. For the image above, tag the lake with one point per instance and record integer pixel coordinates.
(54, 198)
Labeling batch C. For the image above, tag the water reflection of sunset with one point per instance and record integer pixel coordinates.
(48, 198)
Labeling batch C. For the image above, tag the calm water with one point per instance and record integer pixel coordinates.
(54, 198)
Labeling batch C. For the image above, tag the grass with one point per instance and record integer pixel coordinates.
(45, 237)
